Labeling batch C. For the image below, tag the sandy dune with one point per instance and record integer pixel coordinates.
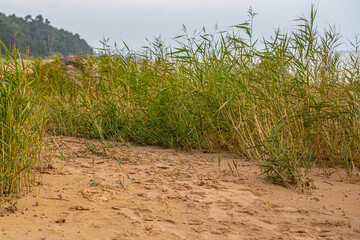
(155, 193)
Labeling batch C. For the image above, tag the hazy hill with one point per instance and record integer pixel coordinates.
(39, 36)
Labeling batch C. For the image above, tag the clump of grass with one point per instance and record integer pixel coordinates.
(21, 130)
(290, 101)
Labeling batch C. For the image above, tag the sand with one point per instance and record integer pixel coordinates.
(155, 193)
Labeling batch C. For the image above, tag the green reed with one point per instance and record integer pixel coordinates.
(291, 102)
(21, 129)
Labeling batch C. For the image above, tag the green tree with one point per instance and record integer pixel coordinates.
(39, 36)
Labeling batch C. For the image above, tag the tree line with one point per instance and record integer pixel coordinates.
(37, 37)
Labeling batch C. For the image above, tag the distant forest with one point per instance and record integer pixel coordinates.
(37, 35)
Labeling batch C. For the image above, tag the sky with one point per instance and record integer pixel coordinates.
(135, 21)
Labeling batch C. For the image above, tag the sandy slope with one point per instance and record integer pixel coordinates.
(168, 194)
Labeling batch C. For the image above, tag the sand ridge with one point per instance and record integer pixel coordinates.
(91, 190)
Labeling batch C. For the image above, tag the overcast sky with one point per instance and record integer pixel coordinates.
(133, 21)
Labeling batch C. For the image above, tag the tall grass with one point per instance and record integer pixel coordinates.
(21, 127)
(290, 101)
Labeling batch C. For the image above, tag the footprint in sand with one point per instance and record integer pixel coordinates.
(133, 214)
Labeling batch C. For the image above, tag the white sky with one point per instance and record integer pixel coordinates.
(133, 21)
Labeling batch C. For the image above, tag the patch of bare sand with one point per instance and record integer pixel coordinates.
(155, 193)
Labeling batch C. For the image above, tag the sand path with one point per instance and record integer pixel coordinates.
(155, 193)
